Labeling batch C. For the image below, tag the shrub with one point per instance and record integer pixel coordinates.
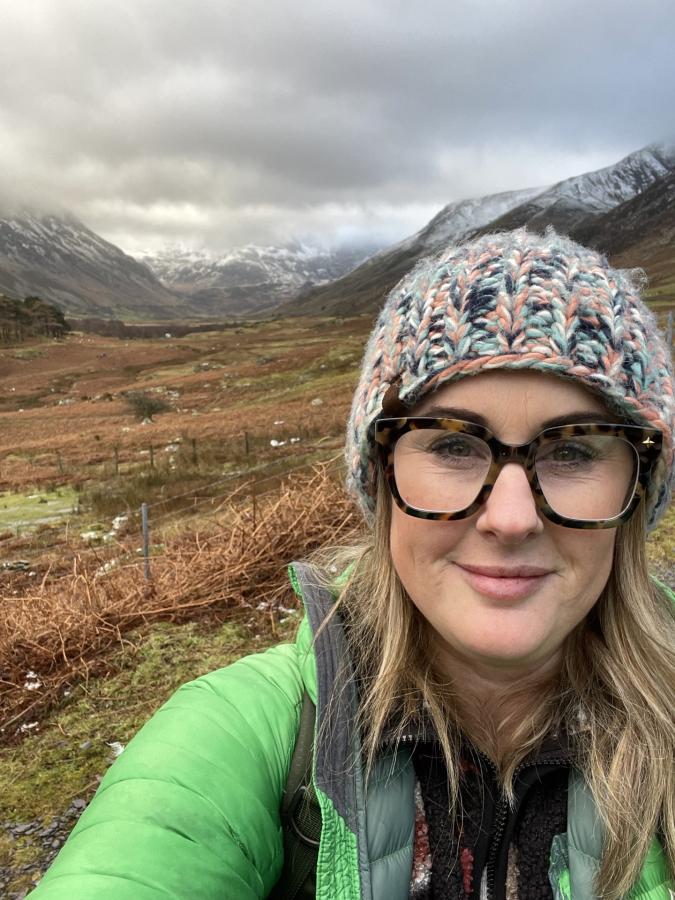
(145, 405)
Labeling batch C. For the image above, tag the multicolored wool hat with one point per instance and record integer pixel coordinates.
(520, 301)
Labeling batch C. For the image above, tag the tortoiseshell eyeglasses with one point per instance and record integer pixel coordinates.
(581, 476)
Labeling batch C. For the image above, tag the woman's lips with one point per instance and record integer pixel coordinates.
(503, 582)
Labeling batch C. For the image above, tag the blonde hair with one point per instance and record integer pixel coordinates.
(617, 678)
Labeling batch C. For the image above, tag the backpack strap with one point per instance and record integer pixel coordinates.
(300, 816)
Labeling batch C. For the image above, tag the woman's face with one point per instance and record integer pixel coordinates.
(482, 617)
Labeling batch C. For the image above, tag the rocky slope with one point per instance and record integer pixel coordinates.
(575, 205)
(571, 204)
(64, 262)
(639, 232)
(625, 225)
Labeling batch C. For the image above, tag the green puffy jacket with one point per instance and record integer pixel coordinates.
(190, 811)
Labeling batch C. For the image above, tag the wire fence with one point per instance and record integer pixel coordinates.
(62, 625)
(139, 536)
(156, 466)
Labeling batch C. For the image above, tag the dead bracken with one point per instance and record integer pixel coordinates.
(62, 629)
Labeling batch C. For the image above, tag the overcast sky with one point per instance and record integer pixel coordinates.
(215, 123)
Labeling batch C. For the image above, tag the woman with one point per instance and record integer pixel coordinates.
(495, 684)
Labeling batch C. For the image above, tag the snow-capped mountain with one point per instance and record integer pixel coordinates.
(640, 232)
(62, 261)
(569, 206)
(458, 219)
(608, 187)
(365, 287)
(568, 203)
(250, 278)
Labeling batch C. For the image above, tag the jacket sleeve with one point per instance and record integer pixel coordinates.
(190, 810)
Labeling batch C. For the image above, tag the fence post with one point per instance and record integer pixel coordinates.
(117, 460)
(146, 541)
(246, 447)
(152, 457)
(669, 330)
(194, 451)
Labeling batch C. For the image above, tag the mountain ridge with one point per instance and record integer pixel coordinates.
(65, 262)
(259, 276)
(568, 203)
(560, 205)
(627, 210)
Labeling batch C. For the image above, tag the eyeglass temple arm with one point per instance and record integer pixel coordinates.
(392, 405)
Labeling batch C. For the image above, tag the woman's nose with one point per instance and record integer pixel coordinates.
(510, 511)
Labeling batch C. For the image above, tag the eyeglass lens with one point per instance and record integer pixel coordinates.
(587, 477)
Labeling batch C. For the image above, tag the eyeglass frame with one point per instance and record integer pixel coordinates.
(647, 443)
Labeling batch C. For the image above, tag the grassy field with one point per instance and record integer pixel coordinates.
(25, 510)
(69, 439)
(270, 395)
(64, 418)
(69, 443)
(66, 759)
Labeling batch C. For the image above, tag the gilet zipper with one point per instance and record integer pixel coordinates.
(501, 818)
(501, 814)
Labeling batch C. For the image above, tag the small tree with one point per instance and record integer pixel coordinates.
(145, 405)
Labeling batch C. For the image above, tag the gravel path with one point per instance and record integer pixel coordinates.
(48, 839)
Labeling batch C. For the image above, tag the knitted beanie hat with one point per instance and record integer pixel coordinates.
(520, 301)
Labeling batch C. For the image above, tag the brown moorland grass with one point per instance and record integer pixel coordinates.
(64, 628)
(63, 412)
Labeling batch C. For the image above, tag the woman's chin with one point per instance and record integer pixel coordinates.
(503, 649)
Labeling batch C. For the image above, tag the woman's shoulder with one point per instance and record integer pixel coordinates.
(284, 671)
(251, 700)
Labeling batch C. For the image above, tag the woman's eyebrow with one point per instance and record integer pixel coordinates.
(581, 417)
(470, 415)
(455, 412)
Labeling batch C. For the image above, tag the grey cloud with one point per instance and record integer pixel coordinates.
(271, 118)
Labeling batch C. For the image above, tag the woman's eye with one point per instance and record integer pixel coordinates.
(570, 453)
(451, 447)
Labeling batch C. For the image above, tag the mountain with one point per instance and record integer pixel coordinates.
(250, 279)
(571, 206)
(639, 232)
(626, 225)
(627, 210)
(464, 216)
(64, 262)
(365, 287)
